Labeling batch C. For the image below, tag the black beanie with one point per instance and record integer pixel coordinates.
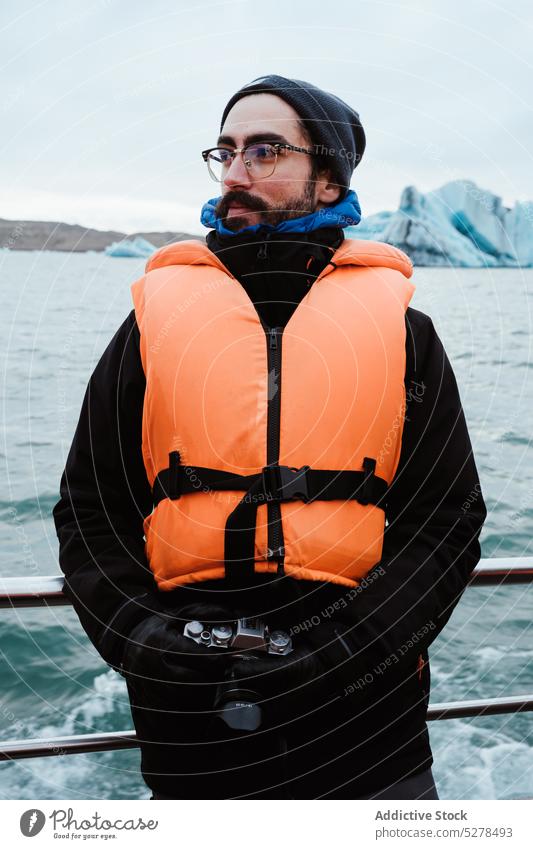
(334, 127)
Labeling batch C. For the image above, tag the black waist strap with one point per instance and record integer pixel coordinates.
(273, 483)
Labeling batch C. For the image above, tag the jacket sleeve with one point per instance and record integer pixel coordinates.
(435, 511)
(105, 495)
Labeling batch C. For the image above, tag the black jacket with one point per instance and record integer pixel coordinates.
(435, 509)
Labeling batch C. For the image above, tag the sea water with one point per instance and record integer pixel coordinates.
(60, 311)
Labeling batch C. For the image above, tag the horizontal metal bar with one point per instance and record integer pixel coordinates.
(37, 591)
(76, 744)
(48, 590)
(503, 570)
(79, 743)
(480, 707)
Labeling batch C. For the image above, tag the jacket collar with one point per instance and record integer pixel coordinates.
(285, 260)
(357, 252)
(345, 213)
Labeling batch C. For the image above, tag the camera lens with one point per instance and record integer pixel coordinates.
(239, 708)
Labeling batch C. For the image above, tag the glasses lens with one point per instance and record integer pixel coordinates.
(218, 162)
(260, 159)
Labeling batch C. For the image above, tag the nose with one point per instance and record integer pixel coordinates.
(237, 174)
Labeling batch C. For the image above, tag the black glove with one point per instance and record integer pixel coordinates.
(278, 676)
(320, 666)
(334, 652)
(158, 654)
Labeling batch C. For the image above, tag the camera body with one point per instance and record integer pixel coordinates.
(239, 708)
(245, 633)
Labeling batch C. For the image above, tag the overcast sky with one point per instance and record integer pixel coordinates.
(106, 105)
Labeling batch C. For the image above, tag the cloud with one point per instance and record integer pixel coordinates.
(118, 107)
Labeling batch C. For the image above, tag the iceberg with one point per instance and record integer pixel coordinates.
(137, 247)
(458, 224)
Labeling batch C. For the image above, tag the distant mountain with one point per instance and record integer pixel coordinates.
(456, 225)
(56, 236)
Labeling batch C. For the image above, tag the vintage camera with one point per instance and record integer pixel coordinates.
(239, 708)
(246, 633)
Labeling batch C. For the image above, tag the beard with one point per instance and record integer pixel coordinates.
(292, 207)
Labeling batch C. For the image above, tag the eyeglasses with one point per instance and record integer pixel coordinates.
(260, 159)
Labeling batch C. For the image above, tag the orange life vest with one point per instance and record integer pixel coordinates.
(271, 450)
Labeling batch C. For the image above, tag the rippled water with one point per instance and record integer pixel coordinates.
(60, 312)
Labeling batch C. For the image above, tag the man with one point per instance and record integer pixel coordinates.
(288, 434)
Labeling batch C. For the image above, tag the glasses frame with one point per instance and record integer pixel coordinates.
(277, 146)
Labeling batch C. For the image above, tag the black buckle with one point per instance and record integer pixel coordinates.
(285, 483)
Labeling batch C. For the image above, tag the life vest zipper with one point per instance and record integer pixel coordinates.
(276, 548)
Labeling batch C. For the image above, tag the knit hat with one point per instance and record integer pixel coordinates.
(334, 127)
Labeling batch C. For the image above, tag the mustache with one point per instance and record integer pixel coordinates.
(239, 198)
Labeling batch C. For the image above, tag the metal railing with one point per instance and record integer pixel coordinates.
(80, 743)
(48, 591)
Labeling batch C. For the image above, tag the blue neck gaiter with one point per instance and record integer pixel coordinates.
(345, 213)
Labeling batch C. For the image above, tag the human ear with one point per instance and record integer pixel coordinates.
(327, 191)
